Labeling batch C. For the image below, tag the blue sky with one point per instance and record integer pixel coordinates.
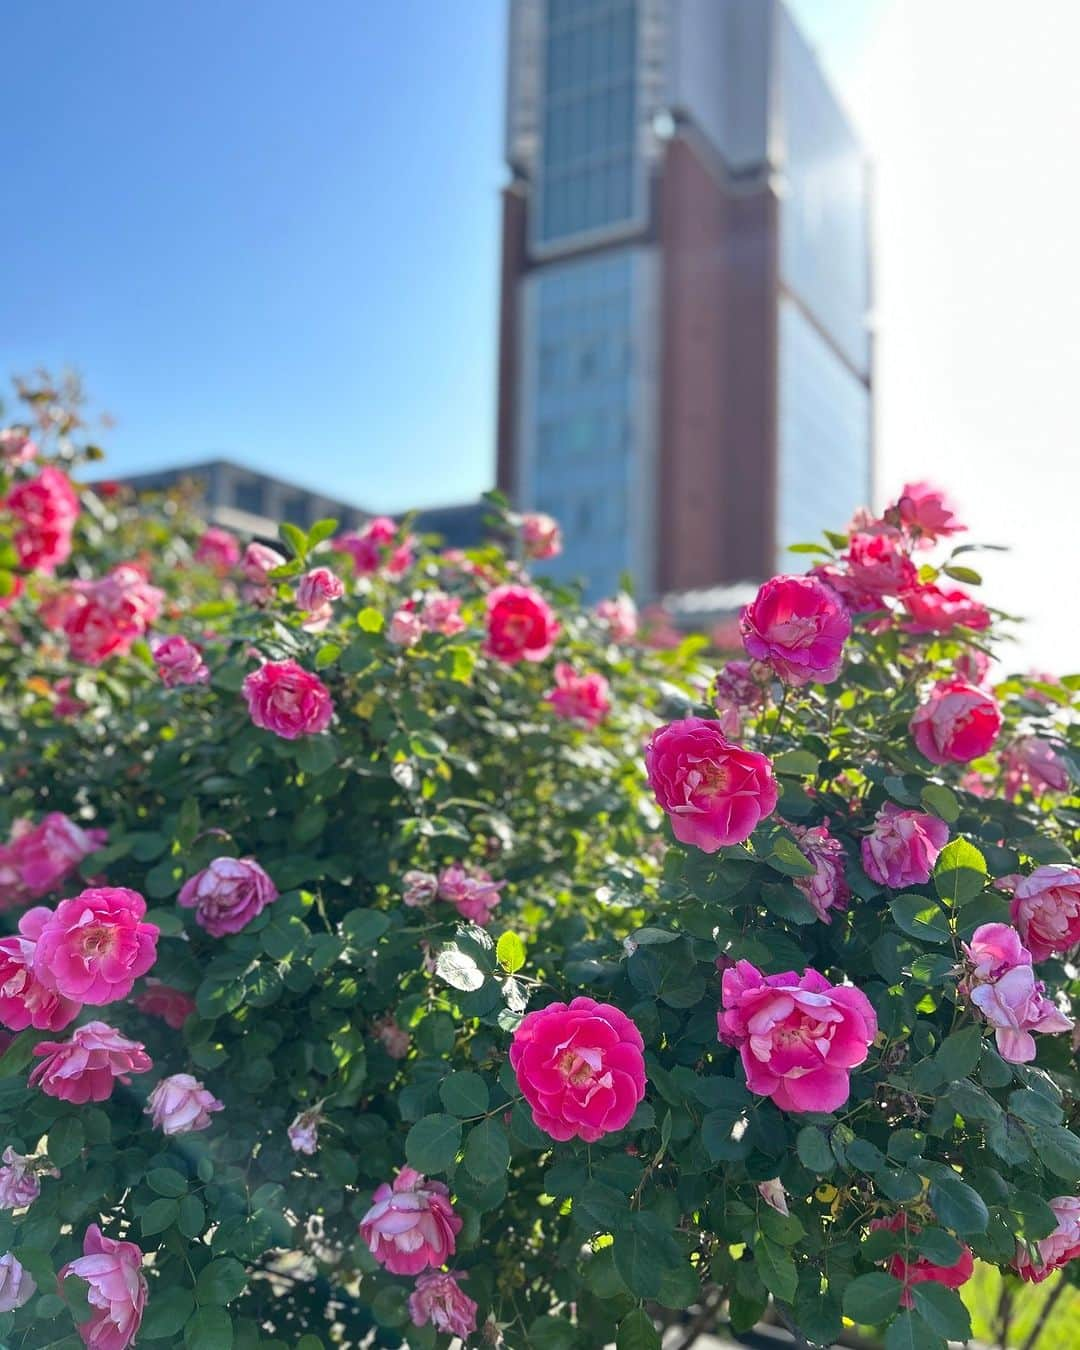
(270, 231)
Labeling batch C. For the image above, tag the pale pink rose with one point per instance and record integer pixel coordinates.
(910, 1268)
(579, 698)
(258, 562)
(863, 521)
(304, 1131)
(1046, 910)
(17, 1285)
(406, 626)
(173, 1006)
(411, 1225)
(541, 536)
(1015, 1006)
(420, 888)
(227, 895)
(619, 614)
(179, 661)
(797, 626)
(738, 684)
(956, 724)
(1033, 762)
(94, 947)
(1056, 1250)
(438, 1298)
(116, 1292)
(441, 614)
(925, 512)
(934, 610)
(520, 625)
(774, 1195)
(715, 793)
(994, 950)
(217, 548)
(978, 784)
(180, 1104)
(288, 700)
(320, 587)
(972, 666)
(84, 1068)
(393, 1038)
(103, 618)
(16, 447)
(45, 509)
(471, 891)
(879, 565)
(19, 1187)
(581, 1068)
(903, 847)
(24, 1000)
(827, 888)
(38, 858)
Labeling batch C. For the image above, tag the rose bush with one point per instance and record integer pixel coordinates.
(447, 960)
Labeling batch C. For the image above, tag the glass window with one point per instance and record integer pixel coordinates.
(248, 496)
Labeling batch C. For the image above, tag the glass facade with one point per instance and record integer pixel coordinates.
(824, 437)
(586, 438)
(589, 170)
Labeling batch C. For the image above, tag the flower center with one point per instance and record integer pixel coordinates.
(97, 941)
(579, 1067)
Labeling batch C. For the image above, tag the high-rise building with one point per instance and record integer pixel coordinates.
(685, 360)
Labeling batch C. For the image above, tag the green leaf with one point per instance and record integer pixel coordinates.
(459, 969)
(872, 1299)
(464, 1094)
(295, 538)
(819, 1318)
(644, 1246)
(157, 1216)
(210, 1329)
(776, 1268)
(637, 1332)
(551, 1333)
(457, 664)
(166, 1312)
(191, 1219)
(938, 1246)
(942, 1310)
(1059, 1150)
(910, 1332)
(940, 801)
(510, 951)
(960, 873)
(920, 917)
(959, 1053)
(487, 1151)
(166, 1181)
(787, 857)
(433, 1143)
(321, 531)
(958, 572)
(364, 927)
(66, 1141)
(814, 1151)
(221, 1281)
(370, 620)
(797, 763)
(958, 1206)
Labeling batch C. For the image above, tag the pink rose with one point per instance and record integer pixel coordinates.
(24, 1000)
(411, 1225)
(581, 1067)
(520, 625)
(738, 683)
(227, 895)
(579, 698)
(45, 510)
(17, 1285)
(420, 888)
(1034, 762)
(1056, 1250)
(797, 626)
(37, 858)
(471, 891)
(180, 1104)
(258, 562)
(375, 547)
(304, 1131)
(93, 948)
(910, 1268)
(933, 610)
(439, 1299)
(903, 847)
(394, 1039)
(173, 1006)
(406, 626)
(619, 614)
(1046, 910)
(972, 666)
(714, 793)
(84, 1068)
(103, 618)
(541, 536)
(995, 949)
(774, 1195)
(19, 1187)
(879, 565)
(798, 1039)
(827, 888)
(855, 595)
(179, 661)
(1002, 985)
(16, 447)
(288, 700)
(925, 512)
(317, 592)
(116, 1292)
(218, 549)
(441, 614)
(956, 724)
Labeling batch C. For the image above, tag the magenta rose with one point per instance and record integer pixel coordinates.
(925, 511)
(1055, 1250)
(827, 888)
(180, 1104)
(217, 548)
(581, 1068)
(933, 610)
(45, 509)
(579, 698)
(179, 661)
(24, 1000)
(956, 724)
(1046, 909)
(411, 1225)
(103, 618)
(93, 948)
(520, 625)
(541, 536)
(879, 565)
(798, 1039)
(903, 847)
(84, 1068)
(797, 626)
(438, 1298)
(715, 793)
(911, 1268)
(37, 858)
(116, 1290)
(317, 592)
(227, 895)
(173, 1006)
(288, 700)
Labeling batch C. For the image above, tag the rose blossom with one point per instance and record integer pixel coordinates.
(581, 1068)
(541, 536)
(217, 548)
(304, 1131)
(173, 1006)
(925, 511)
(956, 724)
(45, 510)
(737, 683)
(902, 847)
(714, 793)
(879, 564)
(933, 610)
(406, 626)
(394, 1039)
(84, 1068)
(288, 700)
(619, 614)
(103, 618)
(1003, 987)
(972, 666)
(24, 1000)
(441, 613)
(16, 447)
(1046, 909)
(471, 891)
(227, 895)
(798, 1038)
(579, 698)
(520, 625)
(93, 948)
(315, 596)
(1034, 762)
(797, 626)
(857, 598)
(995, 949)
(827, 888)
(1058, 1248)
(774, 1195)
(439, 1299)
(258, 562)
(179, 661)
(917, 1269)
(180, 1104)
(19, 1187)
(37, 858)
(420, 888)
(375, 547)
(411, 1225)
(116, 1290)
(17, 1285)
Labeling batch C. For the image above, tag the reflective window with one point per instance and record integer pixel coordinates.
(248, 496)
